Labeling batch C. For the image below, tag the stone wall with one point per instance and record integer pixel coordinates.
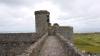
(27, 37)
(13, 48)
(66, 31)
(35, 48)
(12, 44)
(71, 50)
(41, 20)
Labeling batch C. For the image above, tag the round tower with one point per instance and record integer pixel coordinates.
(42, 21)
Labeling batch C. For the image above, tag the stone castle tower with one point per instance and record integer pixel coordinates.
(42, 20)
(42, 24)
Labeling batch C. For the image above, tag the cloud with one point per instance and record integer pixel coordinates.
(55, 11)
(84, 15)
(79, 7)
(18, 15)
(18, 19)
(83, 24)
(19, 2)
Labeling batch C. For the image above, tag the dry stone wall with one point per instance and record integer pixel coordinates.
(27, 37)
(12, 44)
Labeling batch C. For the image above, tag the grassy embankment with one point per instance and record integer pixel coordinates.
(88, 42)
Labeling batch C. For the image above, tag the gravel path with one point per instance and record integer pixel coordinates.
(52, 47)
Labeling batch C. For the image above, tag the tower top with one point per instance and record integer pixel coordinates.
(42, 12)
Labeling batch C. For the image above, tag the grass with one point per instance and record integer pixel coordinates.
(88, 42)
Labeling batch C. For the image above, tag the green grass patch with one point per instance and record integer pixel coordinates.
(88, 42)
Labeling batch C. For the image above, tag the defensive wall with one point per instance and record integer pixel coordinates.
(12, 44)
(35, 49)
(66, 31)
(11, 37)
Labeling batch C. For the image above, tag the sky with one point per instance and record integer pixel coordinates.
(18, 15)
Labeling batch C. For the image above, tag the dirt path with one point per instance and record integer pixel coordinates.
(52, 47)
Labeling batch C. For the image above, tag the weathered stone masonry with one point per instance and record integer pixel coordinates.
(12, 44)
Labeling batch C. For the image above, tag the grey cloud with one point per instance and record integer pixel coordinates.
(16, 20)
(84, 15)
(19, 2)
(18, 16)
(80, 7)
(83, 24)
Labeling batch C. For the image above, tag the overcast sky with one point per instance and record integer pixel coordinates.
(18, 15)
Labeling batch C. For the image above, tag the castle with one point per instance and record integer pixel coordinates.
(12, 44)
